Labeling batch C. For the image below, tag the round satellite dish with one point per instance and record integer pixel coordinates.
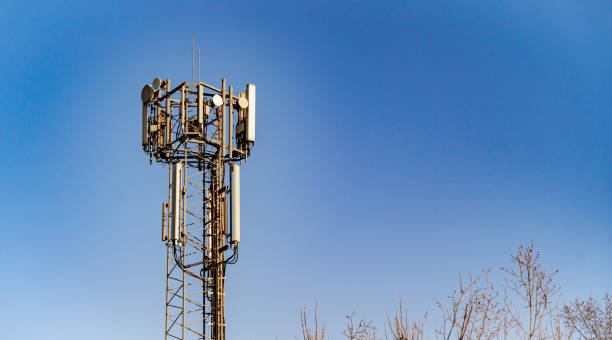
(147, 93)
(156, 83)
(217, 101)
(243, 103)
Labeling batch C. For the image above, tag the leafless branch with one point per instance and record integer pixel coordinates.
(308, 333)
(401, 329)
(588, 318)
(363, 330)
(533, 286)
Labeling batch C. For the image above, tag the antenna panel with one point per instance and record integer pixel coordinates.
(177, 169)
(250, 130)
(145, 126)
(164, 220)
(200, 105)
(235, 203)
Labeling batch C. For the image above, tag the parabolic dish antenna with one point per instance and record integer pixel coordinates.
(156, 83)
(147, 93)
(243, 102)
(217, 101)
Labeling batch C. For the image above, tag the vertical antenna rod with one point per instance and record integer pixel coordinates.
(192, 56)
(198, 64)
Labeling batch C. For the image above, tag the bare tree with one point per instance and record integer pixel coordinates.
(535, 290)
(529, 310)
(308, 332)
(589, 318)
(401, 329)
(474, 312)
(363, 330)
(554, 329)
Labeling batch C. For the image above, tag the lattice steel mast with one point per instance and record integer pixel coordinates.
(192, 127)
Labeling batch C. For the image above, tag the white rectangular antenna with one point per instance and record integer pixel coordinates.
(235, 203)
(177, 169)
(250, 131)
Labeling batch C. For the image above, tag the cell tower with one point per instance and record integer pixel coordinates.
(192, 128)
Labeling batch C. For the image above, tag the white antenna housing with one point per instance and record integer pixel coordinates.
(250, 119)
(235, 203)
(177, 169)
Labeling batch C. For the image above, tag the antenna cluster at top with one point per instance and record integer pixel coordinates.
(175, 119)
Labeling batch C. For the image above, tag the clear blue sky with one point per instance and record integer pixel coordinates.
(399, 143)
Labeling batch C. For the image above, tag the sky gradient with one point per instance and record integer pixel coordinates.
(398, 144)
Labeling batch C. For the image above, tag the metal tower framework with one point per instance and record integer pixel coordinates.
(192, 128)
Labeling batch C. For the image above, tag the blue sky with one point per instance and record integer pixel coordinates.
(399, 144)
